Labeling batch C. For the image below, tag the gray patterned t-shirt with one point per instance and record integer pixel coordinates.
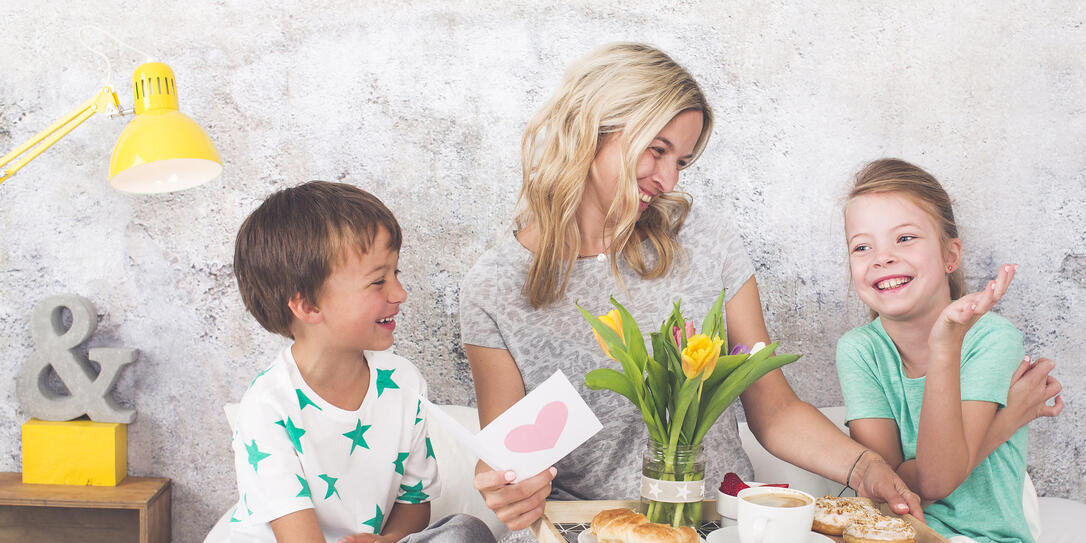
(494, 313)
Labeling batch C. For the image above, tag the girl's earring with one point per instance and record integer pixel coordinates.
(949, 268)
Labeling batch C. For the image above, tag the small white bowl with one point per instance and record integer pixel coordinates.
(725, 504)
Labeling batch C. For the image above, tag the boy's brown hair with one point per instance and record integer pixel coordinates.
(289, 244)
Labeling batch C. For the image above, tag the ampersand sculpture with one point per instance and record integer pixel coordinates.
(56, 347)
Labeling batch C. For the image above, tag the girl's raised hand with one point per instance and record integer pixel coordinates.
(1032, 387)
(961, 314)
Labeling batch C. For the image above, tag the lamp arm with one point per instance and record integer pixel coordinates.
(103, 102)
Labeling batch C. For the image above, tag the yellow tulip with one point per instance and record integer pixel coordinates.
(700, 355)
(612, 320)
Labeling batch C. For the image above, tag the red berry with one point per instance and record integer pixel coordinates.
(732, 484)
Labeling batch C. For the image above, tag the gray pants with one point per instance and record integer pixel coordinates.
(453, 529)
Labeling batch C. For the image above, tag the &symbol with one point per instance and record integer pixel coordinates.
(56, 347)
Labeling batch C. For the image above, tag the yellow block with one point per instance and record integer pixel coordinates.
(76, 452)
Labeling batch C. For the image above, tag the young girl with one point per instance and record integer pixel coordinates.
(924, 380)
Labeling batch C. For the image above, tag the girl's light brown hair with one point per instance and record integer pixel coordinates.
(896, 175)
(628, 88)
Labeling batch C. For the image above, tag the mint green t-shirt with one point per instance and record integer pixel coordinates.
(988, 505)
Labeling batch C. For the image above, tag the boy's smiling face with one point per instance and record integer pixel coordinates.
(359, 301)
(896, 257)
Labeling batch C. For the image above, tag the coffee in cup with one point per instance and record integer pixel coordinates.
(774, 515)
(779, 499)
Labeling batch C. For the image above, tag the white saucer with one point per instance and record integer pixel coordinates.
(731, 535)
(586, 537)
(589, 537)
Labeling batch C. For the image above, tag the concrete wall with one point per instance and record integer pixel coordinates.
(423, 103)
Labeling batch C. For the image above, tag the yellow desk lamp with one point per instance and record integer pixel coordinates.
(161, 150)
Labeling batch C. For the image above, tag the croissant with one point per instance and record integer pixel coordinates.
(625, 526)
(614, 525)
(662, 533)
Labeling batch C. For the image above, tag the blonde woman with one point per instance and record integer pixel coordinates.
(599, 215)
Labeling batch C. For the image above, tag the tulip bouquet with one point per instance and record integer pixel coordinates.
(680, 389)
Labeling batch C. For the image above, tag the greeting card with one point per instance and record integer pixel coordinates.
(534, 433)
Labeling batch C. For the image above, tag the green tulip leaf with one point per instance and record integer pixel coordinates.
(725, 365)
(635, 341)
(690, 419)
(735, 384)
(658, 378)
(685, 397)
(607, 378)
(713, 326)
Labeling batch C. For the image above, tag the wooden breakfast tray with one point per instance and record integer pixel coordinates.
(563, 520)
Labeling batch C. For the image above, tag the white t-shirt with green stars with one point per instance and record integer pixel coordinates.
(295, 451)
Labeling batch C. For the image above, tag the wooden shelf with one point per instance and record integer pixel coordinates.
(137, 511)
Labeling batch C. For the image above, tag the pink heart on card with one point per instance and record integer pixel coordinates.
(541, 435)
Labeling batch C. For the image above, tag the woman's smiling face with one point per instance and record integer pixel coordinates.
(897, 260)
(657, 168)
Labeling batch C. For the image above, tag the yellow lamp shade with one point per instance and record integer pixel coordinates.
(161, 150)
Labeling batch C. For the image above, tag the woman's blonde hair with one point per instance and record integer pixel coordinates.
(628, 88)
(895, 175)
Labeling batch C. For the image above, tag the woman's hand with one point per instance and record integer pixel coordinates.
(874, 478)
(961, 314)
(498, 385)
(518, 505)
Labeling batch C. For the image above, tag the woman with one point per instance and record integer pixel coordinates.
(598, 216)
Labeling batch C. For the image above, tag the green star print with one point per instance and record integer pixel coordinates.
(305, 488)
(376, 521)
(413, 493)
(430, 450)
(400, 457)
(259, 375)
(356, 436)
(304, 400)
(293, 432)
(384, 380)
(255, 456)
(331, 486)
(417, 411)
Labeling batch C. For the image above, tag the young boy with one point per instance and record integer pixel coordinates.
(329, 441)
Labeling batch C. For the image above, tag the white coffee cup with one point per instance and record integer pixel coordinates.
(774, 515)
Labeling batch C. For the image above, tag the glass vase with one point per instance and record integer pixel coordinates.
(673, 484)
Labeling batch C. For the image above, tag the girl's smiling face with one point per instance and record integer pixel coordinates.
(897, 259)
